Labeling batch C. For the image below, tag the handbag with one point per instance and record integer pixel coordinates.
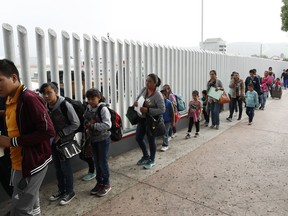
(132, 115)
(68, 149)
(224, 98)
(155, 125)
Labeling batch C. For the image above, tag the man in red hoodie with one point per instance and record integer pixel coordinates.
(30, 131)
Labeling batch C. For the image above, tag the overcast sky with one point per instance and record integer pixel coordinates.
(166, 22)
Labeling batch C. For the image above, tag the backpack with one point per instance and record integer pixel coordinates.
(181, 106)
(79, 108)
(116, 128)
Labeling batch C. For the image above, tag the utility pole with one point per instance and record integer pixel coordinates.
(202, 15)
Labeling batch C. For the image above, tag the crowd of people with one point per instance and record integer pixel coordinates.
(34, 126)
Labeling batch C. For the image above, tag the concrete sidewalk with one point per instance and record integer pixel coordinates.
(237, 170)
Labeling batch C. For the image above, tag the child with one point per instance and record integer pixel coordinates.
(277, 83)
(204, 108)
(194, 114)
(97, 123)
(169, 119)
(251, 98)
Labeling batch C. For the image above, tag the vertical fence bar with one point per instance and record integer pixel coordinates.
(24, 55)
(127, 56)
(139, 67)
(105, 77)
(164, 65)
(121, 100)
(53, 53)
(150, 59)
(77, 68)
(168, 66)
(155, 59)
(113, 75)
(160, 60)
(145, 62)
(66, 64)
(133, 70)
(41, 56)
(173, 84)
(87, 62)
(96, 69)
(8, 39)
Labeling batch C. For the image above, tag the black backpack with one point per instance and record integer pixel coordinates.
(79, 108)
(116, 128)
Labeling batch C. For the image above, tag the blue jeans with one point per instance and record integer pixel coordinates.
(263, 98)
(250, 113)
(168, 127)
(215, 111)
(64, 172)
(100, 152)
(140, 135)
(285, 83)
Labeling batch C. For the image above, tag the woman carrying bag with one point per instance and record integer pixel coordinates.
(154, 107)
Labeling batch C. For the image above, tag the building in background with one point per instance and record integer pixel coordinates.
(214, 44)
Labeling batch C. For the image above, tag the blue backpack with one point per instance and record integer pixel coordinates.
(181, 106)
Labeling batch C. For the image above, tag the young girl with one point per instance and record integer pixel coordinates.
(65, 131)
(97, 123)
(205, 110)
(194, 114)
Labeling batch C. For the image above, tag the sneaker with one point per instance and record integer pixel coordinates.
(56, 196)
(149, 164)
(228, 119)
(212, 126)
(143, 160)
(164, 148)
(217, 127)
(206, 124)
(67, 198)
(238, 119)
(169, 139)
(104, 190)
(196, 134)
(89, 176)
(188, 135)
(250, 123)
(95, 190)
(173, 135)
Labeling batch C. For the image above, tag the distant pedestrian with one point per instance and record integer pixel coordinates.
(169, 119)
(254, 80)
(285, 78)
(214, 106)
(205, 108)
(251, 98)
(237, 95)
(194, 114)
(265, 89)
(172, 98)
(65, 126)
(97, 123)
(153, 105)
(30, 130)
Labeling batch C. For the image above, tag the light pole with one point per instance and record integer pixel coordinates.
(202, 14)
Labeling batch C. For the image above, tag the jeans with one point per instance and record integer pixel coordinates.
(191, 123)
(64, 172)
(140, 135)
(100, 152)
(263, 98)
(234, 102)
(215, 110)
(250, 113)
(168, 127)
(206, 116)
(285, 83)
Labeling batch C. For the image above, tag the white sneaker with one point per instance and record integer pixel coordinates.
(164, 148)
(174, 135)
(169, 139)
(188, 135)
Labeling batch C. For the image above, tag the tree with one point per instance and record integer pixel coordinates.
(284, 16)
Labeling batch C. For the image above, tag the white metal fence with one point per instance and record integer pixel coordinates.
(119, 67)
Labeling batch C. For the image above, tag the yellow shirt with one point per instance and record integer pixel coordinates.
(12, 128)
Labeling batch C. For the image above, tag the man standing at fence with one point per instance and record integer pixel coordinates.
(29, 132)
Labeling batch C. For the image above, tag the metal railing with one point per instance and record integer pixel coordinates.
(119, 68)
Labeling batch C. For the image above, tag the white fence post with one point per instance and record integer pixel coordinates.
(87, 62)
(96, 69)
(41, 56)
(24, 55)
(67, 80)
(105, 75)
(8, 39)
(53, 54)
(113, 81)
(77, 68)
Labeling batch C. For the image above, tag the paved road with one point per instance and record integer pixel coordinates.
(238, 170)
